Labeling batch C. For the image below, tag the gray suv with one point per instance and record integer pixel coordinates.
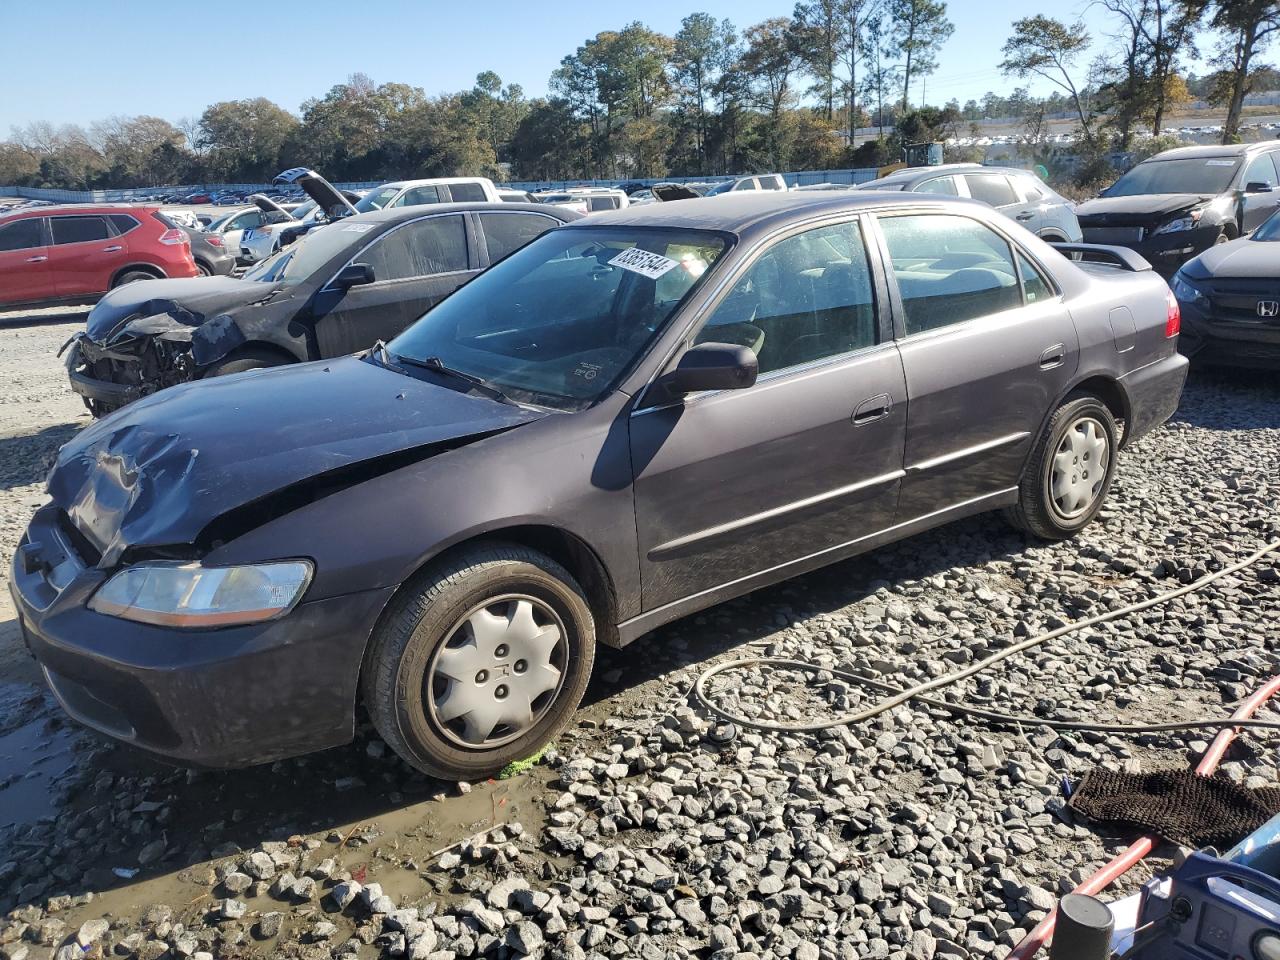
(1018, 194)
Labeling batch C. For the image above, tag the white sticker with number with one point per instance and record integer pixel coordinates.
(651, 265)
(1219, 163)
(357, 228)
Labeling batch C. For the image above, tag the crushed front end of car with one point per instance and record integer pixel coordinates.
(145, 355)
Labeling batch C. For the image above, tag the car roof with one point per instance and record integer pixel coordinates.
(86, 208)
(1214, 150)
(430, 181)
(749, 210)
(396, 214)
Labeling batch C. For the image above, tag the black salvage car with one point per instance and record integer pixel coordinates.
(1230, 298)
(339, 290)
(636, 416)
(1179, 203)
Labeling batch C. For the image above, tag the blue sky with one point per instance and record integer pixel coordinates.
(171, 60)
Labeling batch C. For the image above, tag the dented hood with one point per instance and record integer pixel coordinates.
(159, 471)
(201, 297)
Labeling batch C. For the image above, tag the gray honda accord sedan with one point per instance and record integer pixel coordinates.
(636, 416)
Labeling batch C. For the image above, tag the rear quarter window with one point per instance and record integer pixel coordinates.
(122, 222)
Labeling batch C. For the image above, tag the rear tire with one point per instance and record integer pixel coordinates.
(1070, 471)
(132, 276)
(250, 359)
(495, 626)
(204, 269)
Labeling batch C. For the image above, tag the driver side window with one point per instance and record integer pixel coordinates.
(420, 248)
(1260, 170)
(808, 297)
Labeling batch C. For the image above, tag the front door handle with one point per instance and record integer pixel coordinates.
(114, 248)
(36, 259)
(872, 409)
(1053, 356)
(1025, 215)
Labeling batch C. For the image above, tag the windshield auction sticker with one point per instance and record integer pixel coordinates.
(651, 265)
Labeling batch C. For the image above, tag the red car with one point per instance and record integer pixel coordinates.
(77, 253)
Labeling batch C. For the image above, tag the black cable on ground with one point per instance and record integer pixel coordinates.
(899, 696)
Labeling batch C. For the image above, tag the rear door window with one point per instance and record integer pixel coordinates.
(1035, 287)
(505, 232)
(467, 193)
(991, 189)
(942, 185)
(949, 270)
(420, 248)
(79, 229)
(418, 195)
(22, 234)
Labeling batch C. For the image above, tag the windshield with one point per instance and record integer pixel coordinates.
(720, 188)
(561, 321)
(1269, 230)
(882, 185)
(1207, 176)
(298, 261)
(376, 199)
(307, 211)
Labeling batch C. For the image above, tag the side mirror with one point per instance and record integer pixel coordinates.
(353, 275)
(1257, 186)
(711, 366)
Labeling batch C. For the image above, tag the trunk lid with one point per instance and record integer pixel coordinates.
(330, 198)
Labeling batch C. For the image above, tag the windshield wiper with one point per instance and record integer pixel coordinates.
(439, 366)
(379, 353)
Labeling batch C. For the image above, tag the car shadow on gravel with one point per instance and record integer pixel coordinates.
(1221, 399)
(736, 624)
(25, 459)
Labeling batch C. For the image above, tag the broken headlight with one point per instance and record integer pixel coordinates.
(191, 595)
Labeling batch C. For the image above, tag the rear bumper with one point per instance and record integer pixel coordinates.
(1154, 392)
(212, 698)
(1230, 343)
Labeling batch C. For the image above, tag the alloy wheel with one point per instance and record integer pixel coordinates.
(498, 671)
(1079, 468)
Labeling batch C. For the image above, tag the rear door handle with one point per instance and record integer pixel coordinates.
(1053, 356)
(872, 409)
(113, 248)
(36, 259)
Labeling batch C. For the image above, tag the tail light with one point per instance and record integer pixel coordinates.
(213, 239)
(1173, 319)
(173, 237)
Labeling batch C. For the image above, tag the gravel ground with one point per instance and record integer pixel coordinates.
(642, 834)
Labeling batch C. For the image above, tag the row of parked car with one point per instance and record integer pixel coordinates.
(531, 432)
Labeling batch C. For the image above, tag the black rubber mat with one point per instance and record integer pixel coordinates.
(1179, 805)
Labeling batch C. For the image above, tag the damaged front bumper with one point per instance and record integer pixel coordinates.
(225, 697)
(108, 376)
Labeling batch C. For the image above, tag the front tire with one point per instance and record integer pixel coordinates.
(249, 359)
(1070, 471)
(481, 661)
